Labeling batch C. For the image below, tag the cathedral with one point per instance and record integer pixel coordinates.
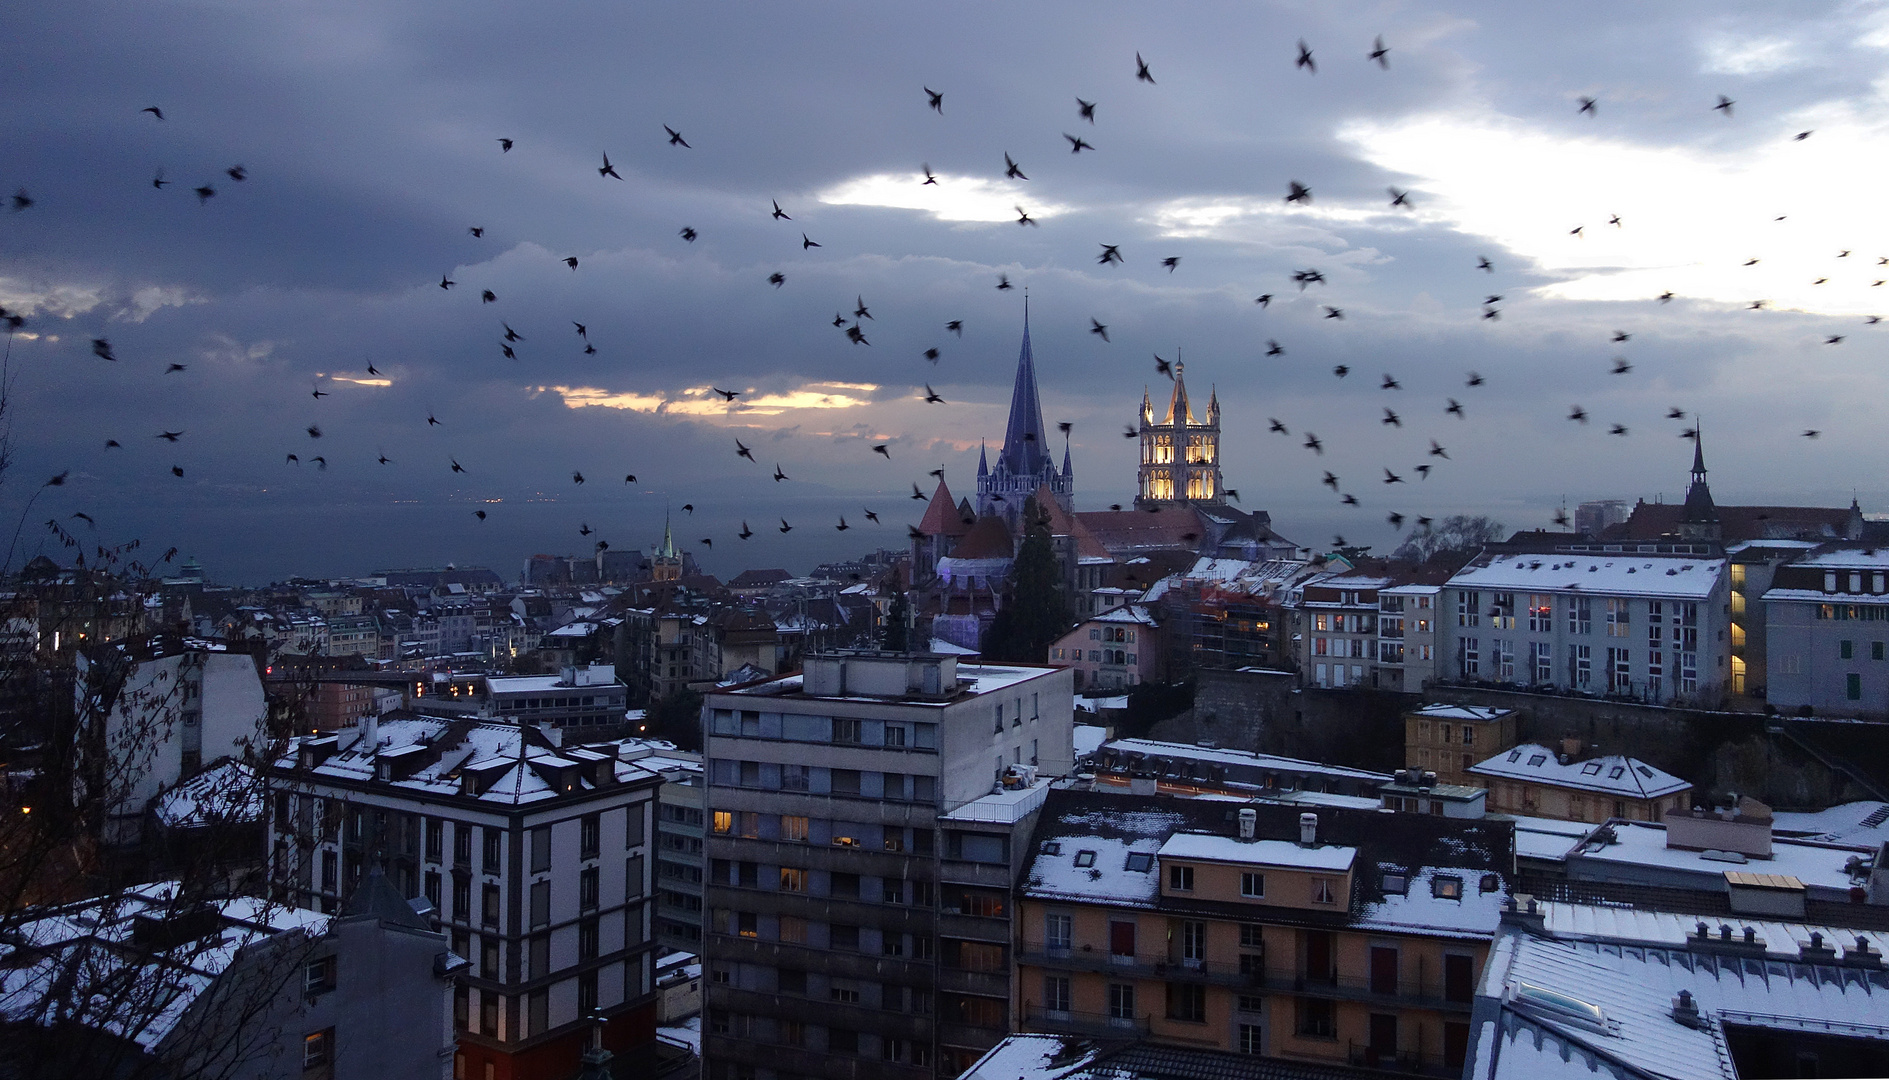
(1180, 456)
(1024, 464)
(963, 551)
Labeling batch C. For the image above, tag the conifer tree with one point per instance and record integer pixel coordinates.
(1035, 611)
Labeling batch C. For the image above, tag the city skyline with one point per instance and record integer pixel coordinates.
(368, 140)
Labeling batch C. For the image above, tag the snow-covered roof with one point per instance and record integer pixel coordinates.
(1850, 823)
(1619, 923)
(1817, 596)
(1547, 838)
(223, 794)
(91, 944)
(1848, 558)
(1614, 775)
(1572, 1006)
(1131, 613)
(1245, 758)
(1089, 737)
(1461, 712)
(1642, 843)
(1428, 905)
(462, 744)
(1614, 573)
(1284, 853)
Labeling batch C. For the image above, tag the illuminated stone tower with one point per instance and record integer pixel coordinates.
(666, 565)
(1180, 456)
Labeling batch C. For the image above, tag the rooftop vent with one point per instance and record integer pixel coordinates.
(1249, 821)
(1686, 1011)
(1308, 829)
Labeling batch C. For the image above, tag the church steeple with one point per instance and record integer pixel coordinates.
(1699, 520)
(1180, 456)
(1023, 463)
(667, 564)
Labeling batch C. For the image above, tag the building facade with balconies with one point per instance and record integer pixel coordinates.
(1351, 937)
(534, 858)
(835, 862)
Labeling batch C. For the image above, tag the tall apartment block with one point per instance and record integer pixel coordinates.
(831, 950)
(535, 859)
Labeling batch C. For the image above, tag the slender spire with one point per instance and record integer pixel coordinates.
(983, 462)
(1698, 454)
(1699, 508)
(1023, 451)
(668, 541)
(1178, 411)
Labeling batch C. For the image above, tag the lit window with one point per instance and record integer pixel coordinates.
(724, 822)
(1447, 888)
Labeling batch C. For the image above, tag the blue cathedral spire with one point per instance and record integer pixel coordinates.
(1024, 463)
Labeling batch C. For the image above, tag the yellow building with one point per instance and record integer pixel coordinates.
(1538, 782)
(1347, 937)
(1449, 740)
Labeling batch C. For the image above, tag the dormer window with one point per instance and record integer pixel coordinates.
(1447, 888)
(1616, 772)
(1536, 761)
(1592, 768)
(1140, 861)
(1394, 884)
(1052, 847)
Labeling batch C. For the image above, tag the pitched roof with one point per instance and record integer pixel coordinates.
(941, 515)
(1023, 452)
(1174, 528)
(988, 539)
(1650, 521)
(1064, 523)
(1611, 775)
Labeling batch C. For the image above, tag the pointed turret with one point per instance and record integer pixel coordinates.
(1699, 520)
(668, 550)
(1069, 473)
(1147, 407)
(983, 462)
(1178, 410)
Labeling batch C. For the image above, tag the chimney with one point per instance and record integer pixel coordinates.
(370, 731)
(1308, 830)
(1570, 748)
(1686, 1010)
(1249, 821)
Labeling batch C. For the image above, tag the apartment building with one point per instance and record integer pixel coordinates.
(1338, 629)
(1823, 653)
(578, 696)
(681, 824)
(151, 712)
(1449, 740)
(1117, 649)
(1645, 621)
(826, 950)
(1406, 636)
(534, 857)
(1536, 781)
(1341, 937)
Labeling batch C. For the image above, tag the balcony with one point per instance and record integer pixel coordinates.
(1037, 1018)
(1407, 993)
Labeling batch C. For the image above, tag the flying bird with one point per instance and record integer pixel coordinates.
(956, 326)
(1812, 433)
(806, 243)
(1086, 109)
(1578, 414)
(177, 470)
(1390, 384)
(510, 334)
(446, 282)
(1023, 218)
(630, 479)
(1725, 105)
(1330, 481)
(1391, 419)
(154, 111)
(430, 422)
(1312, 443)
(1380, 53)
(1392, 478)
(1474, 380)
(1620, 336)
(929, 178)
(1334, 313)
(917, 494)
(1455, 408)
(1275, 425)
(675, 138)
(931, 396)
(1098, 329)
(1077, 146)
(1171, 262)
(1665, 297)
(745, 531)
(931, 355)
(571, 262)
(1305, 58)
(1675, 413)
(1163, 367)
(937, 100)
(778, 474)
(1273, 348)
(1617, 429)
(779, 214)
(1263, 300)
(458, 468)
(1350, 500)
(158, 181)
(487, 296)
(777, 279)
(842, 526)
(505, 146)
(1011, 170)
(727, 395)
(1341, 370)
(204, 195)
(1621, 367)
(102, 349)
(111, 444)
(1483, 263)
(577, 478)
(1399, 198)
(1003, 283)
(318, 393)
(584, 529)
(237, 173)
(786, 528)
(1297, 192)
(872, 517)
(741, 450)
(480, 514)
(688, 234)
(608, 169)
(881, 450)
(1110, 253)
(1141, 70)
(507, 350)
(314, 431)
(1423, 470)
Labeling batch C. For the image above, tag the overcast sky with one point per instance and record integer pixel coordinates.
(369, 135)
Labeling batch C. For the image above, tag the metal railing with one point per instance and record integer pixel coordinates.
(1087, 1023)
(1427, 993)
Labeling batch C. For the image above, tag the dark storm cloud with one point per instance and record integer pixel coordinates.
(369, 133)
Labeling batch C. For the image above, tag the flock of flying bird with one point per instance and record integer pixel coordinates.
(853, 324)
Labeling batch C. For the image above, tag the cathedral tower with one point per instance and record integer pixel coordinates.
(1180, 456)
(1024, 463)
